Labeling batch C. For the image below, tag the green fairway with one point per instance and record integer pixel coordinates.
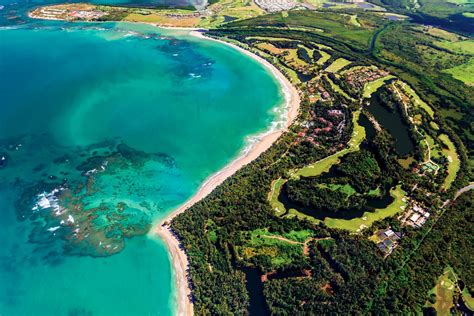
(337, 65)
(463, 47)
(373, 86)
(276, 205)
(323, 165)
(453, 160)
(324, 57)
(357, 224)
(468, 299)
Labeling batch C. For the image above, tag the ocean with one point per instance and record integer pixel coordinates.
(104, 129)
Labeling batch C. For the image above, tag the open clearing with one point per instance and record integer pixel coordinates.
(464, 72)
(453, 160)
(337, 65)
(276, 205)
(373, 86)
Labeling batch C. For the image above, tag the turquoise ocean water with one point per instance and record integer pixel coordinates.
(105, 128)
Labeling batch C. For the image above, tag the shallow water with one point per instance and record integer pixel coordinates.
(106, 128)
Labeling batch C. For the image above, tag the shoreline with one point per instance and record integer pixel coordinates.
(266, 140)
(161, 228)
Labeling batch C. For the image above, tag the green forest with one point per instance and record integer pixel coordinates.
(274, 237)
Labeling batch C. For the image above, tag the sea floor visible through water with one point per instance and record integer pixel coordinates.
(104, 129)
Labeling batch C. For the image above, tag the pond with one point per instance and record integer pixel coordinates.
(392, 121)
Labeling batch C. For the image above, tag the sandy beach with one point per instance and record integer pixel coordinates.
(161, 228)
(178, 256)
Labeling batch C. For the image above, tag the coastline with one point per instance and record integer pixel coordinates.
(162, 228)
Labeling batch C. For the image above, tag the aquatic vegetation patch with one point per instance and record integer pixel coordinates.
(103, 203)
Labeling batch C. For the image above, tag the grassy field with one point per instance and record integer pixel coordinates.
(444, 291)
(454, 162)
(337, 65)
(357, 224)
(239, 10)
(346, 188)
(464, 72)
(276, 205)
(163, 20)
(468, 299)
(271, 48)
(373, 86)
(435, 151)
(324, 57)
(282, 250)
(323, 165)
(354, 21)
(327, 24)
(462, 47)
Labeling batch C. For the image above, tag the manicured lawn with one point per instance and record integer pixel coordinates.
(295, 213)
(323, 165)
(454, 162)
(346, 188)
(276, 205)
(435, 152)
(354, 20)
(357, 224)
(337, 65)
(373, 86)
(468, 299)
(434, 126)
(324, 57)
(244, 9)
(405, 163)
(315, 169)
(293, 58)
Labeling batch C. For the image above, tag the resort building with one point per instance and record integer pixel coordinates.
(415, 216)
